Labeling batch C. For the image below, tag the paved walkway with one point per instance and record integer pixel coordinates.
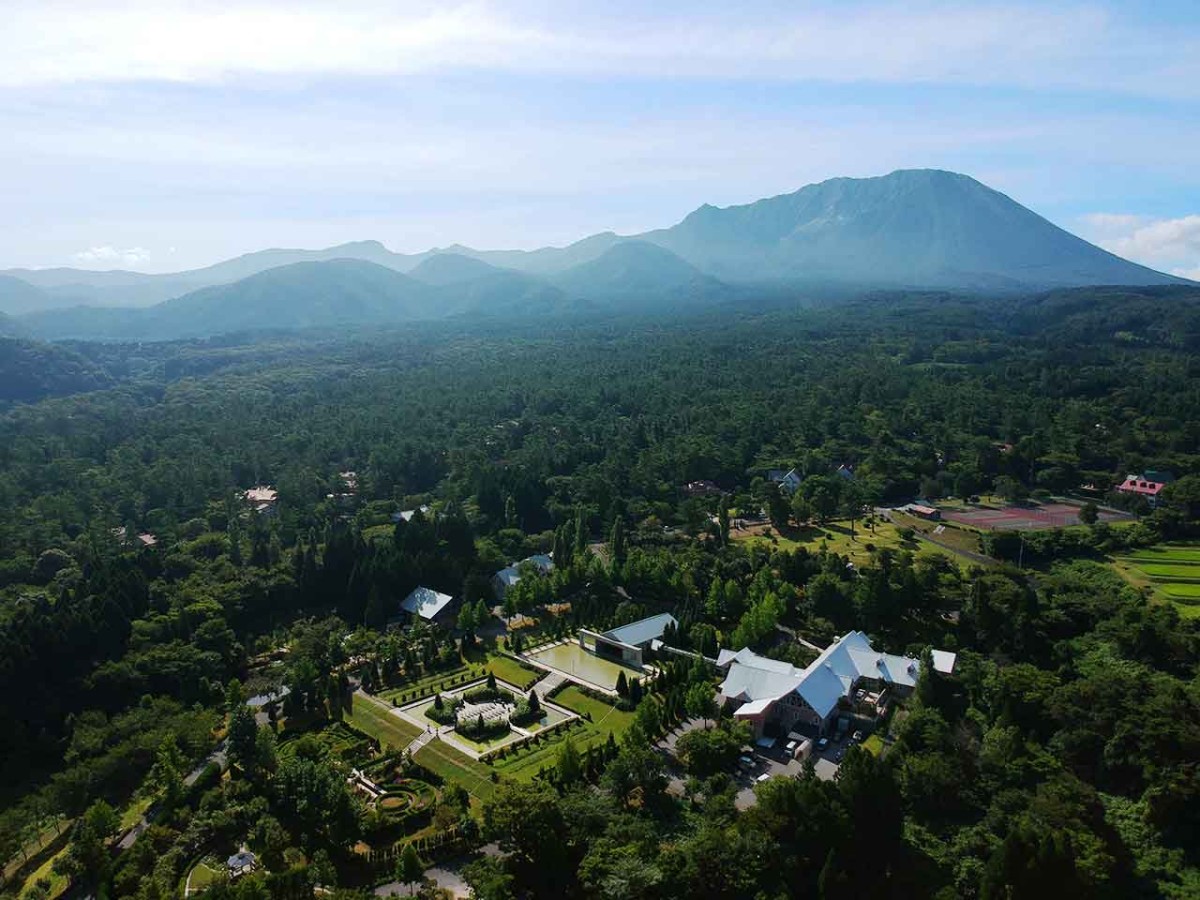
(218, 756)
(550, 682)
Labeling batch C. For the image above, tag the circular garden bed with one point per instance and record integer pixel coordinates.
(408, 795)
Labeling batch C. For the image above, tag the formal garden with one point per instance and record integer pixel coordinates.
(484, 716)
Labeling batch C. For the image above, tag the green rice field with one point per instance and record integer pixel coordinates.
(1170, 571)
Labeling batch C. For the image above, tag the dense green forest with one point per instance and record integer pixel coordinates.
(1062, 755)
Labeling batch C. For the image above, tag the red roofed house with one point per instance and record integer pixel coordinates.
(1149, 484)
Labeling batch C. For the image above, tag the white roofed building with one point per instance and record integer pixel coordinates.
(770, 691)
(425, 603)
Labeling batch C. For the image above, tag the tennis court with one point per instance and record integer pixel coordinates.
(1018, 517)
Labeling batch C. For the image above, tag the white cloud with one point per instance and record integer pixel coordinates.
(1015, 43)
(1168, 244)
(106, 255)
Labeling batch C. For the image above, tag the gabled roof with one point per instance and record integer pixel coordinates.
(407, 514)
(753, 708)
(749, 682)
(425, 602)
(510, 575)
(240, 860)
(828, 678)
(637, 633)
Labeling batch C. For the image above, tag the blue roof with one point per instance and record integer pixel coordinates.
(641, 632)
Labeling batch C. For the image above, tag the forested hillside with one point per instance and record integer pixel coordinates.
(1060, 758)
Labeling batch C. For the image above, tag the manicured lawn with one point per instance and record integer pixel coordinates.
(376, 719)
(202, 875)
(528, 761)
(429, 683)
(606, 720)
(605, 716)
(453, 765)
(508, 669)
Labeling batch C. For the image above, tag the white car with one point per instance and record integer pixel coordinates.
(765, 776)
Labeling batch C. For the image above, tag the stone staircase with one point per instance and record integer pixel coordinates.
(420, 741)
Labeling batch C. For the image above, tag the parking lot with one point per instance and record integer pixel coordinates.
(768, 762)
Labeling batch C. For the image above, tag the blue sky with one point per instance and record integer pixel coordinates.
(160, 136)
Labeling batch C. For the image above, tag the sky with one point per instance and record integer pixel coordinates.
(161, 136)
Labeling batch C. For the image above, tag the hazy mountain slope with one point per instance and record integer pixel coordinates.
(545, 260)
(252, 263)
(9, 327)
(504, 293)
(17, 296)
(72, 287)
(638, 270)
(340, 292)
(451, 268)
(912, 228)
(300, 295)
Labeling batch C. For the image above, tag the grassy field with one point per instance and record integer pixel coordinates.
(507, 669)
(429, 683)
(454, 765)
(58, 883)
(873, 745)
(1170, 571)
(836, 537)
(606, 720)
(376, 719)
(202, 875)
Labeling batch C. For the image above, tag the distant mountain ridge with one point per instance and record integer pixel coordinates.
(918, 228)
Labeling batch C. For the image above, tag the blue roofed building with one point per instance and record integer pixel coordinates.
(768, 692)
(628, 643)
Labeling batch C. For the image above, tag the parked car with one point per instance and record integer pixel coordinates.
(791, 747)
(745, 762)
(763, 777)
(839, 755)
(858, 737)
(822, 743)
